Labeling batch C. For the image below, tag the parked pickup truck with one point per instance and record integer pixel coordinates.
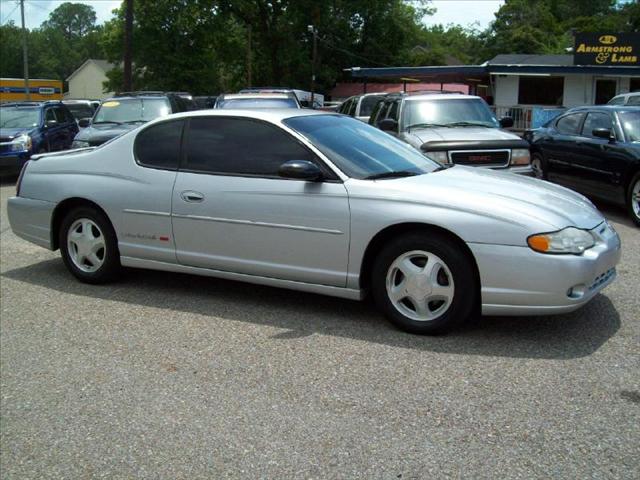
(453, 128)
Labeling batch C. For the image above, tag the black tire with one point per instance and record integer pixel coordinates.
(465, 289)
(633, 204)
(110, 267)
(543, 165)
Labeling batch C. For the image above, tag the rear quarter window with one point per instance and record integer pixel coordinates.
(158, 146)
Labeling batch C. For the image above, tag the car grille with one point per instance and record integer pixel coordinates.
(602, 278)
(493, 158)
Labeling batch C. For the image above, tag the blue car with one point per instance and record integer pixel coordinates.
(33, 127)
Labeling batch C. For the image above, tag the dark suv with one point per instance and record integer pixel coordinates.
(33, 127)
(126, 111)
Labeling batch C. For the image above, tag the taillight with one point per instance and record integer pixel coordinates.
(19, 182)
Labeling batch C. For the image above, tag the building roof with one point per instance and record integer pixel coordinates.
(499, 65)
(526, 59)
(101, 64)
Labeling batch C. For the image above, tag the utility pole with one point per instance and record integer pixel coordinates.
(313, 30)
(25, 54)
(128, 34)
(249, 56)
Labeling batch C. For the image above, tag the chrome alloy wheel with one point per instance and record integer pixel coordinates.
(536, 166)
(420, 285)
(86, 245)
(635, 199)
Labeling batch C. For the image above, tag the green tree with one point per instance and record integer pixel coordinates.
(10, 51)
(73, 20)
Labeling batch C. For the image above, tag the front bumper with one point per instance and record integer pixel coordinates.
(518, 281)
(13, 162)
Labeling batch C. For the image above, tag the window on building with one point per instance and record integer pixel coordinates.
(540, 90)
(634, 84)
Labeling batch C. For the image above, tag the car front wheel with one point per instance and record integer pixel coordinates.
(88, 246)
(633, 199)
(538, 166)
(424, 284)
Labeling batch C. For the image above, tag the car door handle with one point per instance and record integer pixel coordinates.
(192, 196)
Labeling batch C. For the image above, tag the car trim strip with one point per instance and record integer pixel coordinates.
(259, 224)
(146, 212)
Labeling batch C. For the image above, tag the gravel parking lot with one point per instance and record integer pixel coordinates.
(171, 376)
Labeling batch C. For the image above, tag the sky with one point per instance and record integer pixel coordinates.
(463, 12)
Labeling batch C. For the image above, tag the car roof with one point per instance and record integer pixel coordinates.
(235, 96)
(437, 96)
(31, 104)
(606, 108)
(274, 115)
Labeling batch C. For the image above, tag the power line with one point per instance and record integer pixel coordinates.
(7, 16)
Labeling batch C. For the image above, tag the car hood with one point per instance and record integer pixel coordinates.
(8, 134)
(531, 204)
(453, 134)
(98, 134)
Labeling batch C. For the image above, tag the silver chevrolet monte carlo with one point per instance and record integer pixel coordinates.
(321, 203)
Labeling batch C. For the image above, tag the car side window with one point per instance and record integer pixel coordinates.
(393, 110)
(616, 101)
(635, 100)
(352, 107)
(596, 120)
(158, 146)
(344, 108)
(239, 146)
(49, 115)
(569, 124)
(375, 113)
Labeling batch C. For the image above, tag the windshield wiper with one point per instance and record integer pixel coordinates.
(470, 124)
(445, 166)
(427, 125)
(107, 121)
(398, 174)
(136, 121)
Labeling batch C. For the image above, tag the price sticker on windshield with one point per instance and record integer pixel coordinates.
(110, 104)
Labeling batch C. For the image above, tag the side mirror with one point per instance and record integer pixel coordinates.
(84, 122)
(301, 170)
(602, 133)
(506, 122)
(388, 125)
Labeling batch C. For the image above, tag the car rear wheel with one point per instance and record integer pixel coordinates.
(538, 166)
(424, 284)
(88, 246)
(633, 199)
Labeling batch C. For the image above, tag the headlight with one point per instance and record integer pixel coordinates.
(79, 144)
(570, 240)
(441, 157)
(520, 156)
(21, 143)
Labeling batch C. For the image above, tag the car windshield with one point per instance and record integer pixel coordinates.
(132, 110)
(367, 104)
(253, 103)
(448, 112)
(80, 110)
(630, 122)
(17, 117)
(360, 150)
